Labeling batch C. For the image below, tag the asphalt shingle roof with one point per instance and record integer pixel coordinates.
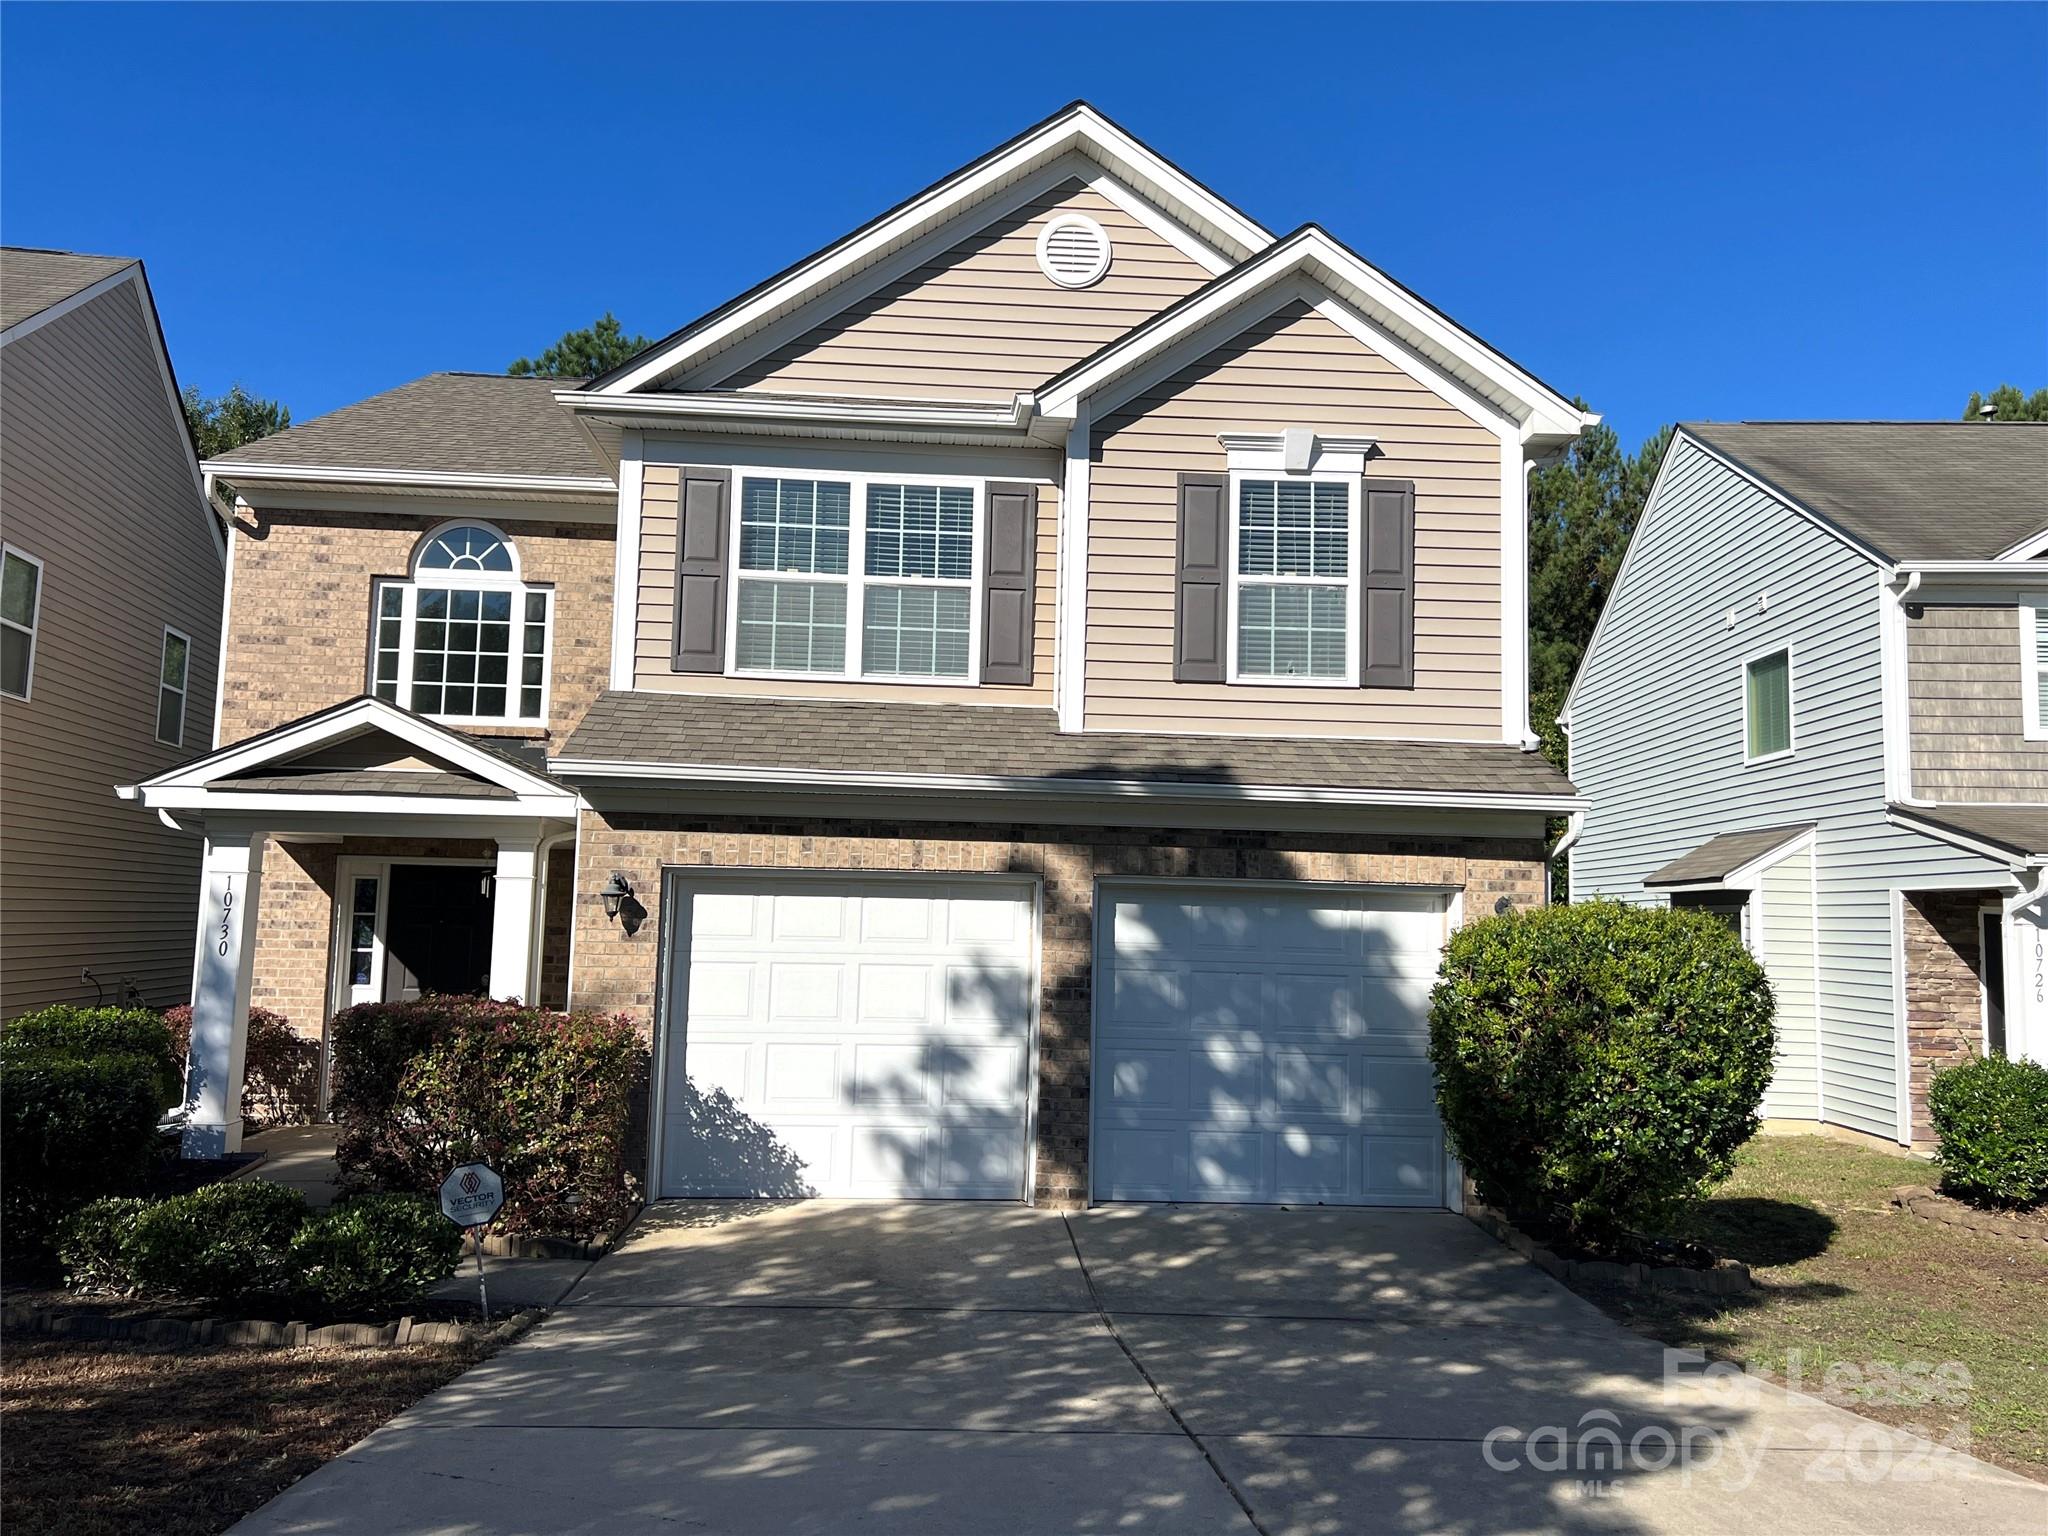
(370, 781)
(1000, 742)
(2021, 828)
(1719, 857)
(449, 423)
(32, 280)
(1912, 490)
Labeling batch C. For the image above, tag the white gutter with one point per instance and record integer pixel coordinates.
(1017, 415)
(343, 475)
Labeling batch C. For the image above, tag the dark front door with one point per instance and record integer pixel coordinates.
(437, 931)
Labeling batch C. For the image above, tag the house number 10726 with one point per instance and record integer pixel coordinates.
(227, 909)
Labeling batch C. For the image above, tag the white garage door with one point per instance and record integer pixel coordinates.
(1268, 1047)
(845, 1037)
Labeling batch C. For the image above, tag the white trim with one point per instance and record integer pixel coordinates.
(2006, 573)
(1167, 228)
(29, 325)
(1078, 129)
(1099, 262)
(2032, 547)
(220, 660)
(1515, 469)
(33, 629)
(1902, 1064)
(1070, 624)
(1034, 462)
(1893, 672)
(464, 579)
(1906, 818)
(1350, 582)
(1996, 911)
(184, 689)
(1748, 875)
(626, 561)
(756, 776)
(412, 501)
(747, 405)
(1262, 452)
(340, 475)
(1791, 746)
(2033, 631)
(558, 806)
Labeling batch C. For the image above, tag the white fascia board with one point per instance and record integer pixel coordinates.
(755, 776)
(1079, 129)
(559, 806)
(2003, 572)
(1903, 818)
(364, 475)
(2031, 547)
(349, 720)
(626, 563)
(681, 408)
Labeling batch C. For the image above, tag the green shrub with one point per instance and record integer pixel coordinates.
(545, 1098)
(228, 1243)
(372, 1251)
(1598, 1064)
(72, 1128)
(1991, 1119)
(98, 1245)
(280, 1068)
(108, 1032)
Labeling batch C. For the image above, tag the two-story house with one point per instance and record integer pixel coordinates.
(111, 566)
(1817, 702)
(1012, 703)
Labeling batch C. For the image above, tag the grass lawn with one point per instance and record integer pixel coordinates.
(117, 1439)
(1844, 1276)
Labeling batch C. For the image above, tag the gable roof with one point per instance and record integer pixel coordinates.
(1077, 127)
(446, 427)
(1910, 490)
(32, 279)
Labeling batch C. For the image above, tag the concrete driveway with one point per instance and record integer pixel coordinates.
(908, 1369)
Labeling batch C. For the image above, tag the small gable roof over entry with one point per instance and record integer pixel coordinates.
(1719, 857)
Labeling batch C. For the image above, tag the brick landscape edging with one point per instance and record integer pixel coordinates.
(524, 1245)
(1932, 1205)
(1726, 1278)
(246, 1333)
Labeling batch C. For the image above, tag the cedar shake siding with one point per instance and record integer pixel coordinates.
(100, 487)
(1969, 708)
(981, 321)
(654, 632)
(299, 620)
(1294, 368)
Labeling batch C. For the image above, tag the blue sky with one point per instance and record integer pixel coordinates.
(1673, 211)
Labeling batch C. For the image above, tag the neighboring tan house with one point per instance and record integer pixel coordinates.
(1817, 702)
(1012, 704)
(110, 603)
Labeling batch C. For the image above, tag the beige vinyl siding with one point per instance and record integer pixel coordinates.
(1294, 368)
(654, 634)
(98, 485)
(1969, 703)
(1785, 907)
(981, 321)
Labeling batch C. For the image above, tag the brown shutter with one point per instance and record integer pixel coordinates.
(1201, 572)
(1009, 575)
(703, 543)
(1386, 655)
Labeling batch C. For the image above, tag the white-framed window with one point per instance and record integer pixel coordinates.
(856, 576)
(1767, 706)
(21, 605)
(1294, 579)
(463, 639)
(170, 692)
(2034, 669)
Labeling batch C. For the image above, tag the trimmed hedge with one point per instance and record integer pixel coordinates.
(280, 1069)
(546, 1098)
(1991, 1118)
(228, 1243)
(108, 1032)
(1598, 1064)
(374, 1251)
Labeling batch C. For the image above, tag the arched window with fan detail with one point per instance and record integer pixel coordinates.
(464, 639)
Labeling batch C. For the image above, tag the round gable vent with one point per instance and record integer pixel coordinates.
(1073, 250)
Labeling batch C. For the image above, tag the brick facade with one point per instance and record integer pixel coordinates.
(298, 627)
(617, 973)
(1944, 997)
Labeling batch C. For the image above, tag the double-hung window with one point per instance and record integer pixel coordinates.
(1767, 705)
(2034, 669)
(1293, 585)
(464, 639)
(21, 603)
(856, 577)
(170, 692)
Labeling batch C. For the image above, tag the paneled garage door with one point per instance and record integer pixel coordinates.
(1266, 1047)
(841, 1037)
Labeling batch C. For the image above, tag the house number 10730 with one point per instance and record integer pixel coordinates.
(227, 910)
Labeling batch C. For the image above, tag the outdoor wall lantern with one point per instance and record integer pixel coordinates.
(620, 905)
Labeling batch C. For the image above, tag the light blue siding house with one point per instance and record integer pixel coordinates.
(1817, 702)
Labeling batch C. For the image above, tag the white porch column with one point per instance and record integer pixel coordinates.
(231, 876)
(2026, 976)
(514, 892)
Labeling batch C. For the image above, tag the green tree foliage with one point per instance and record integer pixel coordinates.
(583, 354)
(228, 421)
(2008, 404)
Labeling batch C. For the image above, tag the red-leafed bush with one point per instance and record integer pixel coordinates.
(545, 1098)
(280, 1070)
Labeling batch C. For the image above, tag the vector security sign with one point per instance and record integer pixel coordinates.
(471, 1195)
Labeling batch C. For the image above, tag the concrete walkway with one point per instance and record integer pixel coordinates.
(946, 1368)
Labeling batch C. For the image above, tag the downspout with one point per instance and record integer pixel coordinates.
(1575, 824)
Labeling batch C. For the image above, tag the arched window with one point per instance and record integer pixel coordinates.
(465, 640)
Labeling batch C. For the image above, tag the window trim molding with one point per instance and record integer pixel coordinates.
(34, 628)
(184, 686)
(462, 576)
(1791, 746)
(856, 578)
(1351, 583)
(2033, 614)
